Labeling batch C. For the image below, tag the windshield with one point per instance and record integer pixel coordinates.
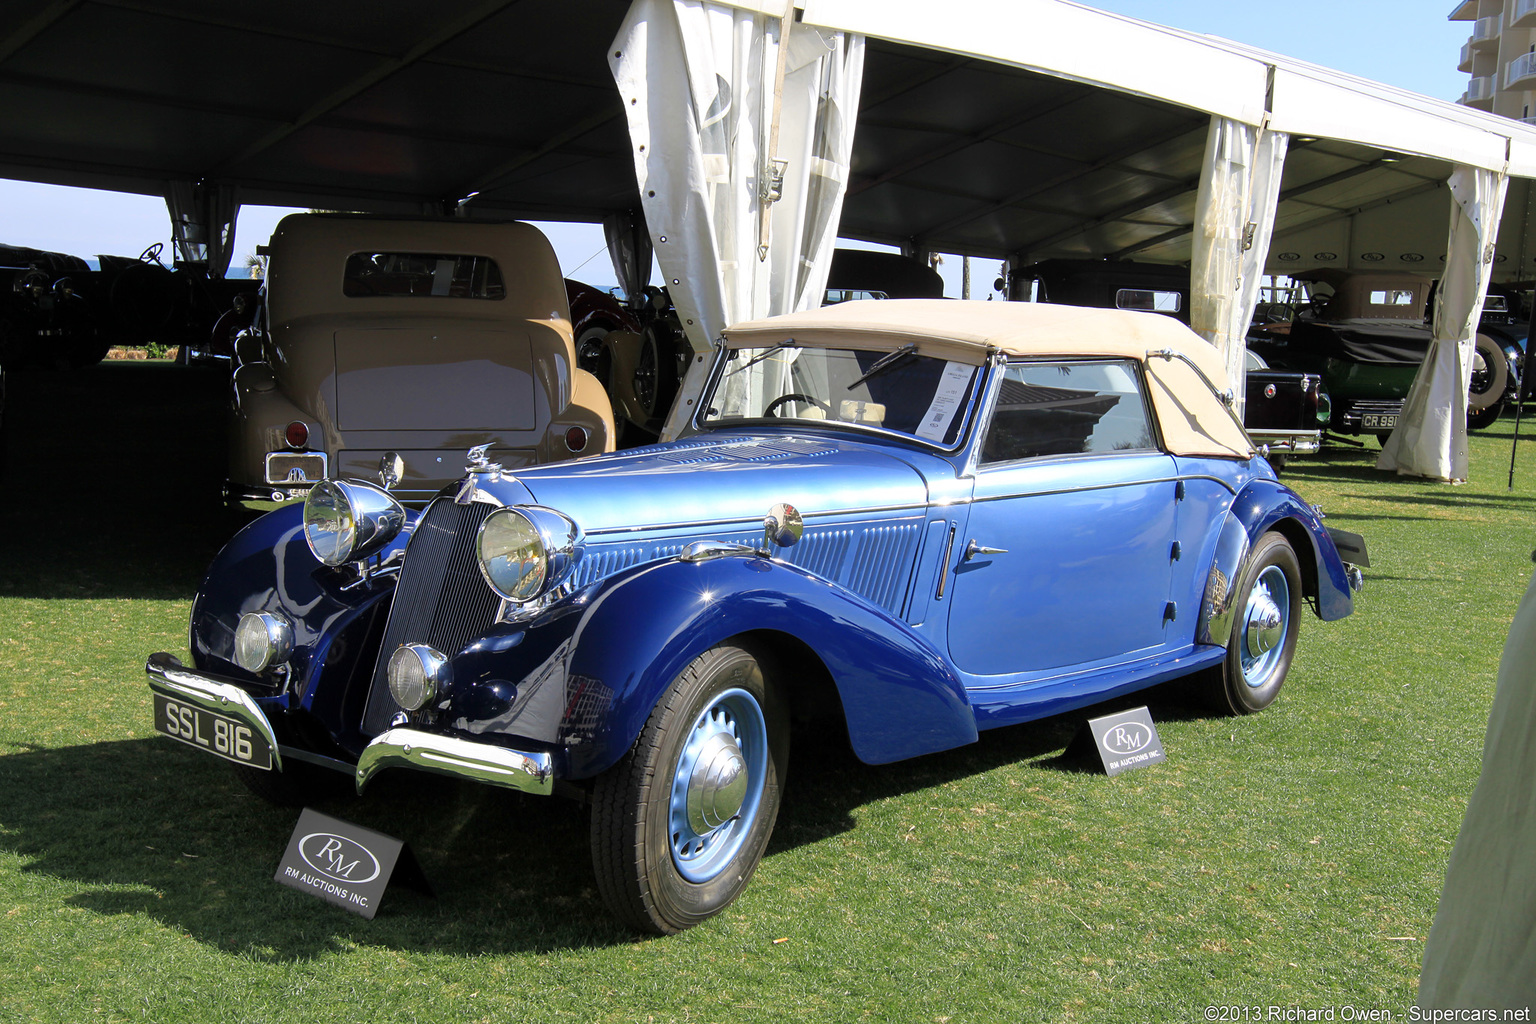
(900, 391)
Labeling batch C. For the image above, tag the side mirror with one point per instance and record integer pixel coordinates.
(391, 470)
(782, 527)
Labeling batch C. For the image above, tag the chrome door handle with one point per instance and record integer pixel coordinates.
(973, 549)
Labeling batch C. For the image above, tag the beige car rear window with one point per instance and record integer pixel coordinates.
(418, 275)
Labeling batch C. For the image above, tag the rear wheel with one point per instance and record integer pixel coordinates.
(1264, 629)
(1490, 378)
(681, 822)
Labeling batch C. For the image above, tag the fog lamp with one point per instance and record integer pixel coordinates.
(417, 674)
(262, 640)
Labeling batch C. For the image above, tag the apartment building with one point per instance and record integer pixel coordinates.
(1500, 55)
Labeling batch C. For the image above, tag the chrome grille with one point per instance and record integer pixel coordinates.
(440, 599)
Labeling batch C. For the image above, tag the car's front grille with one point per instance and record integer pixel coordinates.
(440, 599)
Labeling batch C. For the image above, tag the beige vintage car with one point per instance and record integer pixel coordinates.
(417, 337)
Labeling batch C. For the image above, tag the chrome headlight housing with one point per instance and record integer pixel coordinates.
(346, 520)
(525, 552)
(261, 641)
(417, 674)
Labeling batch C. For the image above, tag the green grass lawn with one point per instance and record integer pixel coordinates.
(1293, 858)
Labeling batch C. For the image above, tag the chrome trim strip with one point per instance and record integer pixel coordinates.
(404, 747)
(949, 548)
(1103, 486)
(754, 522)
(216, 694)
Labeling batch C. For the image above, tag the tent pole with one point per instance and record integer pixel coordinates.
(1525, 365)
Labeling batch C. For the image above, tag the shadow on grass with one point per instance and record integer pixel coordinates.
(827, 783)
(147, 827)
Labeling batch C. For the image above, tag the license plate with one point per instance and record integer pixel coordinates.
(229, 738)
(1378, 421)
(295, 468)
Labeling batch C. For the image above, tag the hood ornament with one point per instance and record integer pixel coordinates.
(478, 464)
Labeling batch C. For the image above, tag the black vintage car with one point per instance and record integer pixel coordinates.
(1367, 332)
(1285, 410)
(58, 311)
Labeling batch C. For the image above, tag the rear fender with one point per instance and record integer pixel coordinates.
(1262, 506)
(900, 697)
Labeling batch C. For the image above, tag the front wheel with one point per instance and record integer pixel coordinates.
(1264, 628)
(680, 823)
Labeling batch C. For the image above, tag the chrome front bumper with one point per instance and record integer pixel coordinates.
(447, 755)
(170, 678)
(396, 748)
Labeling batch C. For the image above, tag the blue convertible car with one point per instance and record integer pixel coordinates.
(922, 518)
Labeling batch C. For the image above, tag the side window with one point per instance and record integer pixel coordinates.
(1067, 409)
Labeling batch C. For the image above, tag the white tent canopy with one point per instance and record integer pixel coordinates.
(1256, 101)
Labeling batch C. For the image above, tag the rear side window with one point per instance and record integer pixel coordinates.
(418, 274)
(1068, 409)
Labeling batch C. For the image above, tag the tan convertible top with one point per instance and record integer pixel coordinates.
(1193, 420)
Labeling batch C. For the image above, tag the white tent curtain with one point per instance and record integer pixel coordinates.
(203, 222)
(1431, 435)
(1234, 219)
(710, 139)
(629, 249)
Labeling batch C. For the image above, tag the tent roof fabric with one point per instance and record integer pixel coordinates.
(1027, 130)
(1193, 419)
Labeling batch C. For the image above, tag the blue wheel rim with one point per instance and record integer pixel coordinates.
(1270, 590)
(700, 854)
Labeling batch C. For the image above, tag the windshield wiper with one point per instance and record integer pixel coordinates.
(788, 343)
(885, 362)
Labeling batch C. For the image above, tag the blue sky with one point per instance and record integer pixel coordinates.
(1406, 43)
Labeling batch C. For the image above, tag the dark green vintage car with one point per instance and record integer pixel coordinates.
(1366, 333)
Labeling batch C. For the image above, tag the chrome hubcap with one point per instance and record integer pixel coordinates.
(1265, 623)
(717, 786)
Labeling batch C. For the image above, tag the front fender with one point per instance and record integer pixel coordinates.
(1265, 505)
(900, 697)
(267, 566)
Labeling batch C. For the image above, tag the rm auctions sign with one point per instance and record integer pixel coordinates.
(343, 863)
(1127, 740)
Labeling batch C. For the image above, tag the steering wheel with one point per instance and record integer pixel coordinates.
(795, 396)
(151, 254)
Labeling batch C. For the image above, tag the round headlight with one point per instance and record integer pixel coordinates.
(417, 674)
(345, 520)
(526, 551)
(261, 641)
(1324, 408)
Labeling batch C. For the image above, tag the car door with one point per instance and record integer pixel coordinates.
(1066, 557)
